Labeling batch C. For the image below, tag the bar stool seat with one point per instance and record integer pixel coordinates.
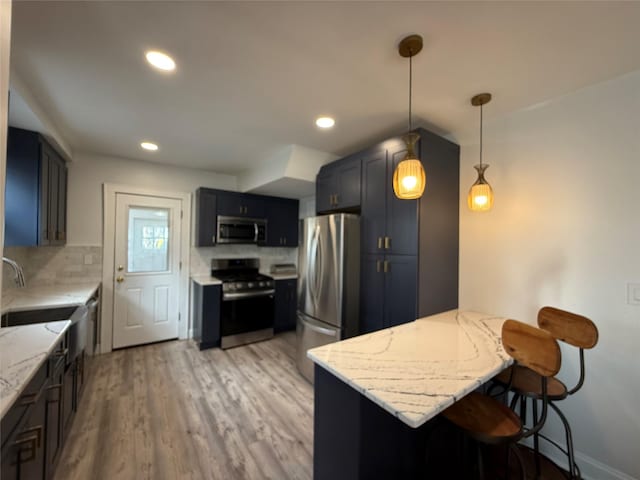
(491, 422)
(524, 381)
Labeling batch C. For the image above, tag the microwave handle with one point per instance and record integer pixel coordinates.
(255, 232)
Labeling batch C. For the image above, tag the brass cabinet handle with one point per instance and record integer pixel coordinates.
(378, 263)
(337, 198)
(386, 266)
(61, 353)
(120, 279)
(387, 242)
(28, 399)
(37, 430)
(379, 242)
(120, 268)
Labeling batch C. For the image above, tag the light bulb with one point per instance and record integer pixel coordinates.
(409, 182)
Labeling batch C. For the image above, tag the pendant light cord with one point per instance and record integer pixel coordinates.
(481, 135)
(410, 85)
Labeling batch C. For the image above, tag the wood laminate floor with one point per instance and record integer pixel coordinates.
(170, 411)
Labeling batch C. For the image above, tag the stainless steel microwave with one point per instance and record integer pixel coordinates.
(241, 230)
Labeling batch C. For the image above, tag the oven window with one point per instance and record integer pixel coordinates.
(247, 315)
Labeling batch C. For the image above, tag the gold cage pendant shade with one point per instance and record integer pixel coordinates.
(409, 178)
(480, 197)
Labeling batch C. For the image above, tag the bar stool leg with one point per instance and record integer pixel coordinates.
(536, 438)
(569, 437)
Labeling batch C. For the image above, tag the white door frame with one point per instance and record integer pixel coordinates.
(108, 258)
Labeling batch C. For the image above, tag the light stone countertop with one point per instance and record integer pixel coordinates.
(53, 296)
(23, 349)
(416, 370)
(281, 276)
(205, 280)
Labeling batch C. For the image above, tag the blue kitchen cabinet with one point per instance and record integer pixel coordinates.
(338, 186)
(207, 302)
(388, 289)
(206, 217)
(409, 248)
(285, 305)
(282, 222)
(35, 192)
(235, 204)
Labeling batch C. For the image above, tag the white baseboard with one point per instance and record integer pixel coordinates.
(590, 468)
(190, 334)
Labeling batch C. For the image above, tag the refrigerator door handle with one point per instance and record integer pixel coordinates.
(313, 268)
(318, 329)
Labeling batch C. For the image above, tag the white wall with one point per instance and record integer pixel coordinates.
(565, 231)
(88, 172)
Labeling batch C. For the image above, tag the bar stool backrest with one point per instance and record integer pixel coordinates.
(531, 347)
(568, 327)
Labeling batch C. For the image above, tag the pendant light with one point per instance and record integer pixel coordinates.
(408, 178)
(480, 197)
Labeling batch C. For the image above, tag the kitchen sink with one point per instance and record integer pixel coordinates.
(41, 315)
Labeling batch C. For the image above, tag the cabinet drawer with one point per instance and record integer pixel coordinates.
(24, 402)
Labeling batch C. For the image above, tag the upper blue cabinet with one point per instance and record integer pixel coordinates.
(338, 186)
(36, 191)
(280, 214)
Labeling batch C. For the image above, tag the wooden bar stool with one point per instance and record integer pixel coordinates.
(570, 328)
(488, 421)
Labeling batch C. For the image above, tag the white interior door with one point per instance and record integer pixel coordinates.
(146, 269)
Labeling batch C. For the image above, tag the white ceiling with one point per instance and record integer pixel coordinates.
(252, 76)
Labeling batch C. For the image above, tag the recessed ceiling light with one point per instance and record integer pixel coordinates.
(152, 147)
(160, 60)
(325, 122)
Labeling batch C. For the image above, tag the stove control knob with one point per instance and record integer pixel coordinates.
(251, 284)
(238, 285)
(230, 286)
(262, 284)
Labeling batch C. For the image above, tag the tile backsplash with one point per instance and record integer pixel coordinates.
(201, 256)
(76, 264)
(54, 265)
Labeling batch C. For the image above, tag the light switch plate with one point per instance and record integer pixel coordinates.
(633, 293)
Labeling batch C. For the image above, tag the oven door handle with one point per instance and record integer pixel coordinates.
(241, 295)
(255, 232)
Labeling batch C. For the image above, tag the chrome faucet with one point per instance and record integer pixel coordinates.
(17, 270)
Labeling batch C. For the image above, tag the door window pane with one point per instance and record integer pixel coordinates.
(148, 240)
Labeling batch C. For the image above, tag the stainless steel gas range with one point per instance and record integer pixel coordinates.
(247, 308)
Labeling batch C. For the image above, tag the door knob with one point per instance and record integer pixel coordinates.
(120, 279)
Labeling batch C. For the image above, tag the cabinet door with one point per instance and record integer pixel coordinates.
(402, 215)
(282, 222)
(57, 198)
(61, 213)
(67, 398)
(348, 184)
(400, 289)
(285, 305)
(54, 420)
(374, 201)
(206, 209)
(240, 205)
(44, 215)
(31, 442)
(22, 197)
(372, 297)
(325, 190)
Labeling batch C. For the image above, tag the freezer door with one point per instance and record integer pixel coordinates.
(310, 334)
(321, 264)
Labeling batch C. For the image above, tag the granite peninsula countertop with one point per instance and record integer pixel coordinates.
(29, 298)
(416, 370)
(23, 349)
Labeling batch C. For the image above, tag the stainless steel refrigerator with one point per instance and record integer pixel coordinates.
(328, 283)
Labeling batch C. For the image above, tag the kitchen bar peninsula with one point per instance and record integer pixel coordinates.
(375, 394)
